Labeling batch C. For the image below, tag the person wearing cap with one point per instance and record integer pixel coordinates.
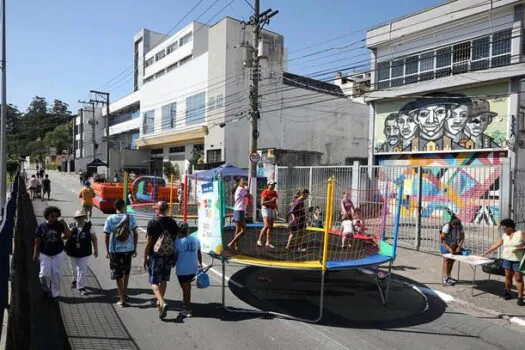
(86, 196)
(269, 213)
(79, 247)
(159, 266)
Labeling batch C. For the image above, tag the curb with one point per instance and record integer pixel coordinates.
(450, 299)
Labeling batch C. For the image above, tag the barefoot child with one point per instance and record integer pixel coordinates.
(347, 229)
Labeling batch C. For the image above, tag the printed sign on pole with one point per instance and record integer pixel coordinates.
(209, 225)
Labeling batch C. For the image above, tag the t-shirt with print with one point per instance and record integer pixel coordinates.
(110, 227)
(50, 235)
(187, 255)
(348, 226)
(268, 195)
(158, 225)
(452, 234)
(33, 182)
(240, 194)
(79, 244)
(87, 195)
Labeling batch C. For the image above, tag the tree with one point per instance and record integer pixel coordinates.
(12, 167)
(60, 138)
(37, 108)
(60, 108)
(169, 169)
(14, 117)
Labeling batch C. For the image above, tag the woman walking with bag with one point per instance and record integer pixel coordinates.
(189, 262)
(513, 243)
(81, 245)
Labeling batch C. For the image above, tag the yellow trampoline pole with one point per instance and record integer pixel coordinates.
(328, 213)
(171, 195)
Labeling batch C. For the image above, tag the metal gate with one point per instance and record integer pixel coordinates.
(430, 196)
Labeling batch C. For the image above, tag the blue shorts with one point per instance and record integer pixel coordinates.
(159, 269)
(511, 265)
(239, 216)
(444, 250)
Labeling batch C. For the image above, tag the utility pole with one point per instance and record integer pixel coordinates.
(93, 126)
(81, 132)
(257, 21)
(3, 122)
(105, 100)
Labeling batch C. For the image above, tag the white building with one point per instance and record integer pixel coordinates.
(447, 85)
(191, 93)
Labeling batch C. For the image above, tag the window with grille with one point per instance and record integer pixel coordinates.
(186, 39)
(213, 156)
(178, 149)
(476, 54)
(172, 47)
(160, 55)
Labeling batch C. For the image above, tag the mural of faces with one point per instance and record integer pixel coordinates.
(392, 130)
(407, 126)
(457, 120)
(431, 118)
(439, 121)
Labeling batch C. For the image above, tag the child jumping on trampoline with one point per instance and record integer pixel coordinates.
(347, 230)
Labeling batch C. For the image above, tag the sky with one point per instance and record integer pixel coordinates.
(61, 49)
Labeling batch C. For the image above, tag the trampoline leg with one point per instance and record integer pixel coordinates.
(383, 293)
(388, 282)
(223, 283)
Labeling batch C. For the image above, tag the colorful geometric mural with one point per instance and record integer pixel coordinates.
(467, 184)
(440, 121)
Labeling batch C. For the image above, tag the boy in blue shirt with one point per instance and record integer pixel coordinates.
(189, 261)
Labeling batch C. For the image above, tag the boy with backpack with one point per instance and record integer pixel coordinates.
(159, 253)
(121, 246)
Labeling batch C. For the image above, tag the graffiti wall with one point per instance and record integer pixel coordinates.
(467, 184)
(470, 119)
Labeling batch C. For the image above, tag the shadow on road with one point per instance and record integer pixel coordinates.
(351, 298)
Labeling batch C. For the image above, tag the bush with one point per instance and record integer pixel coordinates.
(52, 166)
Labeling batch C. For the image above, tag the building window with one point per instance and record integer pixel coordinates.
(477, 54)
(169, 113)
(186, 39)
(148, 79)
(213, 156)
(133, 140)
(172, 67)
(149, 62)
(148, 125)
(211, 103)
(160, 55)
(157, 151)
(185, 60)
(160, 73)
(172, 47)
(220, 101)
(195, 108)
(178, 149)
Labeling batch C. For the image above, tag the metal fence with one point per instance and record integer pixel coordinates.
(430, 196)
(519, 199)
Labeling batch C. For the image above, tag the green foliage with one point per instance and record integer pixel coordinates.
(42, 126)
(12, 167)
(52, 166)
(169, 169)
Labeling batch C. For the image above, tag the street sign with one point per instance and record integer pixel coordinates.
(255, 157)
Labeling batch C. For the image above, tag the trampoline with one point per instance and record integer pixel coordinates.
(315, 248)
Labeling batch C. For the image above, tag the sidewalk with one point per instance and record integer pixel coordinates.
(90, 322)
(427, 270)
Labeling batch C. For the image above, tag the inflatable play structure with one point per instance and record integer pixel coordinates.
(144, 191)
(298, 245)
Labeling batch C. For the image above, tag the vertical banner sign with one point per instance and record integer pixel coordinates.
(209, 229)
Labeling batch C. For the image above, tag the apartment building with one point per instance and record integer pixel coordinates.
(191, 96)
(447, 95)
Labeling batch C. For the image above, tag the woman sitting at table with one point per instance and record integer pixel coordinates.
(513, 243)
(452, 238)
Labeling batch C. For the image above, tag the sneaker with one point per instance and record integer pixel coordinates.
(122, 303)
(451, 281)
(82, 291)
(73, 284)
(520, 302)
(507, 295)
(446, 282)
(163, 310)
(270, 246)
(186, 313)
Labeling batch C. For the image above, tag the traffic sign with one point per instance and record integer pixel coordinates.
(255, 157)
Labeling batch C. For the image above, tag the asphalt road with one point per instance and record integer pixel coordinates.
(354, 317)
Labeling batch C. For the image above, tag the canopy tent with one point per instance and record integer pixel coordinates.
(96, 163)
(226, 171)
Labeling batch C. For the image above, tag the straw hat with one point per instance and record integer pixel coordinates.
(79, 214)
